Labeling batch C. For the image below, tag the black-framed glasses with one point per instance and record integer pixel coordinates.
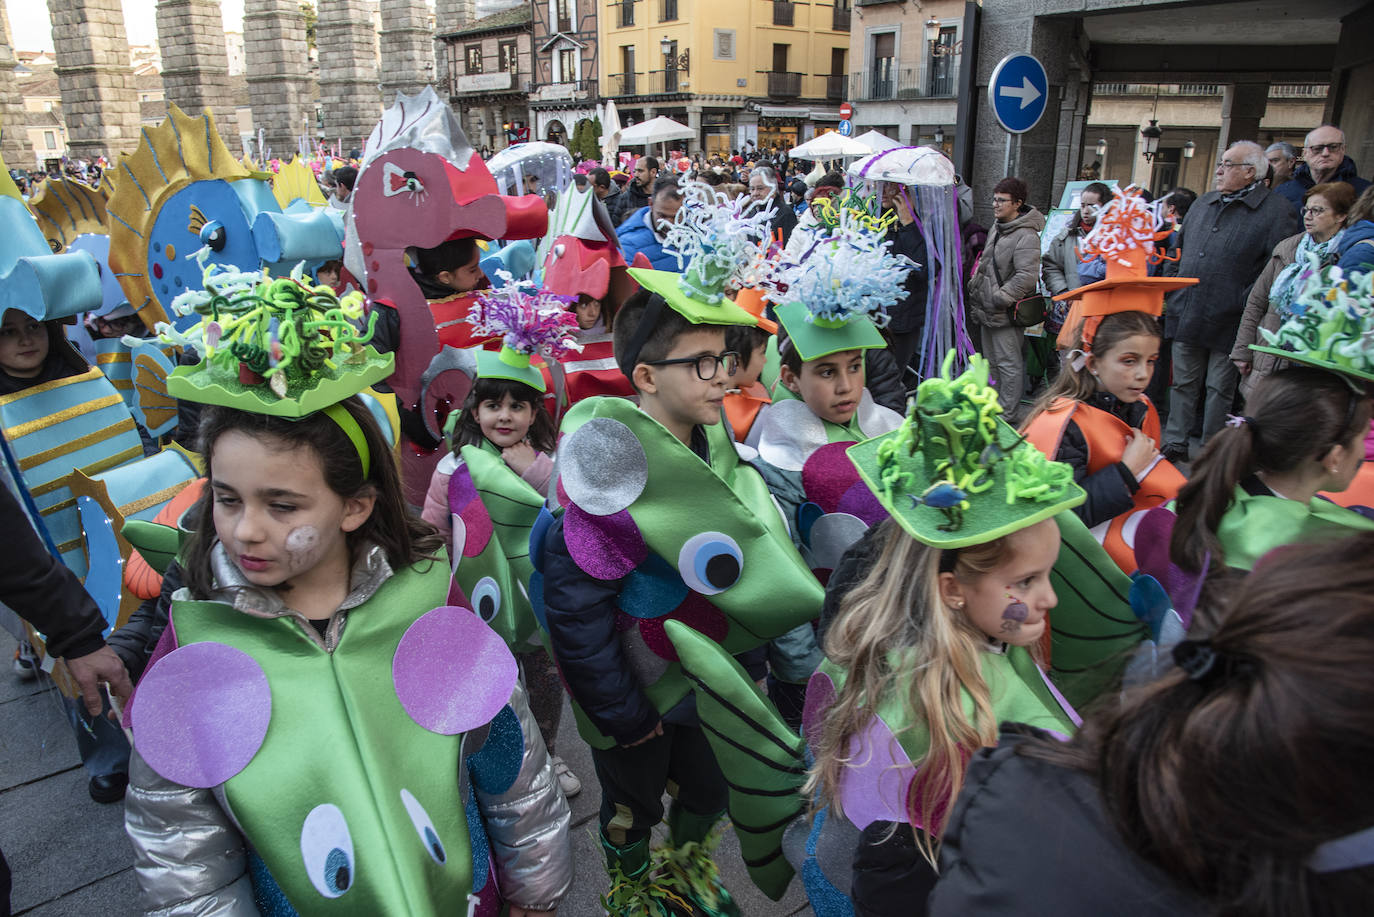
(708, 364)
(1001, 200)
(1325, 147)
(1314, 211)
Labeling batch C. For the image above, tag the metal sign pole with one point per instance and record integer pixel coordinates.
(1006, 160)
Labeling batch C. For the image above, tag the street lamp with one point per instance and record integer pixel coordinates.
(932, 30)
(1151, 137)
(1189, 149)
(940, 137)
(1101, 147)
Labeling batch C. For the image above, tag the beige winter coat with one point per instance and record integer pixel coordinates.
(1260, 314)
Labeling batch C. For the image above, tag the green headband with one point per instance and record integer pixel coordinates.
(339, 414)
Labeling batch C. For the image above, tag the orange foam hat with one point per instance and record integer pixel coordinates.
(751, 300)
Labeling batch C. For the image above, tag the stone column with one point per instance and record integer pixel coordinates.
(14, 141)
(347, 42)
(277, 67)
(407, 47)
(195, 64)
(99, 101)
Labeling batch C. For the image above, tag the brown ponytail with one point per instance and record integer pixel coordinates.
(1293, 416)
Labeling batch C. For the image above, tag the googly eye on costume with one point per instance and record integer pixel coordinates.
(486, 598)
(424, 826)
(710, 562)
(327, 849)
(213, 235)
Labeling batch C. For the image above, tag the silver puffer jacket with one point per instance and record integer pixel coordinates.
(191, 858)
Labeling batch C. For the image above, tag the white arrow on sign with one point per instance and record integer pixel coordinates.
(1027, 93)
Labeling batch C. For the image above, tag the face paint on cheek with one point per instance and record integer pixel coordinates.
(1014, 615)
(302, 547)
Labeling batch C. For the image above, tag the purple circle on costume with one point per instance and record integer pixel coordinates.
(461, 489)
(478, 528)
(859, 501)
(451, 671)
(202, 713)
(607, 547)
(697, 613)
(1152, 536)
(820, 697)
(827, 475)
(875, 782)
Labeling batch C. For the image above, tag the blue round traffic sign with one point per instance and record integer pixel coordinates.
(1019, 91)
(846, 128)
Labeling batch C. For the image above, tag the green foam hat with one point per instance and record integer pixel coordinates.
(815, 336)
(954, 473)
(1327, 324)
(280, 347)
(687, 303)
(509, 363)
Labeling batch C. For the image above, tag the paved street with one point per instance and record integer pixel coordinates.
(71, 859)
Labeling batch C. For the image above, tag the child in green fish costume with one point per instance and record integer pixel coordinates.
(318, 732)
(940, 635)
(832, 304)
(661, 522)
(486, 495)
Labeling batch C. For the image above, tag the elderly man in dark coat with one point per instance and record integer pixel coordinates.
(1225, 240)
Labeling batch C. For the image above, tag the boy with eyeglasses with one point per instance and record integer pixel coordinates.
(662, 521)
(1324, 160)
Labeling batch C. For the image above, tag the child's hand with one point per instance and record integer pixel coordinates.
(1140, 452)
(653, 734)
(519, 456)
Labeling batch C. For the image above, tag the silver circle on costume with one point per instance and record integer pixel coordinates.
(791, 432)
(831, 536)
(603, 466)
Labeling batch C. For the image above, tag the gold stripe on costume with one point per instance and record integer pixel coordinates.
(138, 506)
(42, 387)
(66, 546)
(62, 416)
(118, 356)
(58, 506)
(38, 458)
(90, 470)
(124, 385)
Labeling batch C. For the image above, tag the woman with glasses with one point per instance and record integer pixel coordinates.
(1007, 271)
(1325, 239)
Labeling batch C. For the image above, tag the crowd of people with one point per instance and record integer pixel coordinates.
(1074, 624)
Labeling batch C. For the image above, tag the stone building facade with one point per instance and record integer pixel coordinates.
(94, 76)
(407, 47)
(13, 135)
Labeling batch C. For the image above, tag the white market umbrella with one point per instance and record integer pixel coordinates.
(877, 142)
(830, 146)
(907, 165)
(655, 130)
(610, 136)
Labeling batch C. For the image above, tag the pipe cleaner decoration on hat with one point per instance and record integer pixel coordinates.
(712, 238)
(866, 209)
(1125, 234)
(272, 346)
(529, 321)
(839, 295)
(954, 473)
(1330, 323)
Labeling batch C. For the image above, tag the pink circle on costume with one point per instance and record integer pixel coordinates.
(477, 522)
(202, 713)
(607, 547)
(696, 612)
(451, 671)
(877, 778)
(827, 475)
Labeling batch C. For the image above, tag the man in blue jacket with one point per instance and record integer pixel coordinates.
(645, 228)
(1324, 160)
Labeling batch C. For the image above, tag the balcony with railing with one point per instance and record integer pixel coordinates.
(824, 86)
(625, 84)
(896, 83)
(784, 84)
(784, 12)
(839, 21)
(665, 81)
